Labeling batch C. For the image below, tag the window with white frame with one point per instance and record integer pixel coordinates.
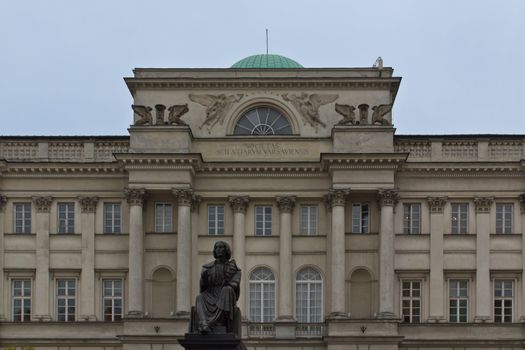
(112, 299)
(263, 220)
(503, 300)
(411, 218)
(309, 220)
(262, 295)
(459, 218)
(66, 217)
(66, 299)
(21, 300)
(411, 301)
(458, 300)
(504, 217)
(215, 219)
(112, 218)
(22, 217)
(308, 296)
(360, 217)
(163, 217)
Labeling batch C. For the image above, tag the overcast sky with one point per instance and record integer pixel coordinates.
(62, 62)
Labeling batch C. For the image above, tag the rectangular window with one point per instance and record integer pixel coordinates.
(66, 217)
(411, 218)
(21, 300)
(504, 218)
(458, 300)
(111, 217)
(163, 217)
(459, 218)
(360, 218)
(263, 221)
(503, 299)
(411, 301)
(66, 299)
(112, 299)
(309, 220)
(216, 219)
(22, 220)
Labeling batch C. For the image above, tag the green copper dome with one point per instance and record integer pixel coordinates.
(266, 61)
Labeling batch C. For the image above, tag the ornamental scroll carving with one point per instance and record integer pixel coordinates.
(3, 201)
(337, 197)
(43, 204)
(483, 204)
(239, 204)
(186, 197)
(388, 197)
(216, 107)
(285, 204)
(308, 106)
(135, 196)
(436, 204)
(88, 204)
(522, 203)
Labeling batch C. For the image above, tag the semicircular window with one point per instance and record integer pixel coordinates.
(263, 121)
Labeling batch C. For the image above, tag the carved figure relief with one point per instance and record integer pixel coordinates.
(216, 107)
(146, 118)
(175, 113)
(144, 112)
(308, 106)
(348, 114)
(379, 113)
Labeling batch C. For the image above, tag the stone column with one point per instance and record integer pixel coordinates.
(41, 300)
(286, 279)
(135, 198)
(387, 199)
(522, 211)
(3, 201)
(483, 290)
(338, 251)
(328, 206)
(186, 200)
(239, 205)
(436, 205)
(88, 207)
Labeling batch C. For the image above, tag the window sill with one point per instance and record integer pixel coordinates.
(161, 233)
(412, 234)
(362, 234)
(19, 234)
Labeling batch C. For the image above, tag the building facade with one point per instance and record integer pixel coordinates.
(348, 235)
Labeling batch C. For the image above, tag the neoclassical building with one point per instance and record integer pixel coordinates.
(348, 235)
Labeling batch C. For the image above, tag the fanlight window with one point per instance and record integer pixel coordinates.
(308, 296)
(262, 295)
(263, 121)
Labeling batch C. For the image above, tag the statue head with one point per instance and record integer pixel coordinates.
(222, 249)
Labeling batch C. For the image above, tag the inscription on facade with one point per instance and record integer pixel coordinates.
(262, 150)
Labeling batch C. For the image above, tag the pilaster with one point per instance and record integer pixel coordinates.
(239, 205)
(522, 212)
(42, 280)
(436, 206)
(3, 201)
(483, 290)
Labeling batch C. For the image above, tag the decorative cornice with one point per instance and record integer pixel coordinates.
(462, 169)
(88, 204)
(388, 197)
(331, 161)
(239, 204)
(43, 204)
(3, 201)
(436, 204)
(66, 168)
(337, 196)
(522, 203)
(285, 204)
(135, 196)
(483, 204)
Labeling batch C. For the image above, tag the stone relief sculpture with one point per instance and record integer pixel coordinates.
(216, 107)
(379, 112)
(363, 114)
(145, 114)
(348, 114)
(175, 113)
(308, 106)
(159, 109)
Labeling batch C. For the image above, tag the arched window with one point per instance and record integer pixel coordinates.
(309, 296)
(262, 295)
(262, 121)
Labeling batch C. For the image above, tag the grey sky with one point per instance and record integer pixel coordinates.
(63, 61)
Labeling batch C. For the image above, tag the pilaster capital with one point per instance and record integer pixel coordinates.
(522, 203)
(135, 196)
(186, 197)
(3, 201)
(43, 204)
(436, 204)
(388, 197)
(285, 204)
(239, 204)
(483, 204)
(88, 204)
(337, 197)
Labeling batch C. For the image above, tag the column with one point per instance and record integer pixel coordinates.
(483, 290)
(338, 199)
(327, 198)
(522, 211)
(135, 198)
(436, 205)
(286, 279)
(186, 200)
(88, 207)
(3, 201)
(41, 302)
(239, 205)
(387, 200)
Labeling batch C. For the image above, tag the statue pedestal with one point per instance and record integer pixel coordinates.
(211, 341)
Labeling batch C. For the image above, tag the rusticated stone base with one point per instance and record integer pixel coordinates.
(211, 342)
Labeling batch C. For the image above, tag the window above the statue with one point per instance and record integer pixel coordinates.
(262, 121)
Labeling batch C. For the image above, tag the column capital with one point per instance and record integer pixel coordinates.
(285, 203)
(43, 204)
(522, 202)
(88, 204)
(135, 196)
(483, 204)
(388, 197)
(3, 201)
(239, 204)
(337, 197)
(186, 197)
(436, 204)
